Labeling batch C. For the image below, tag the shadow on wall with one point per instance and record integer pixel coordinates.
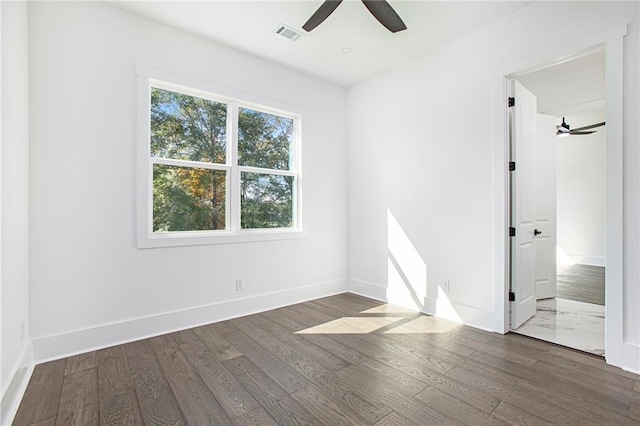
(407, 275)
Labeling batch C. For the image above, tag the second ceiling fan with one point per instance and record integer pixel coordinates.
(380, 9)
(565, 130)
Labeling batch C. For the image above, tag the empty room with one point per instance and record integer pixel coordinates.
(258, 212)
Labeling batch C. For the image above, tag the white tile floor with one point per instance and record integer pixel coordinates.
(569, 323)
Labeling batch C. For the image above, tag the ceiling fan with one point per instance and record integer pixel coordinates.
(380, 9)
(565, 130)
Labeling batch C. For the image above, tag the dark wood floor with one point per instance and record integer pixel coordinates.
(582, 283)
(337, 360)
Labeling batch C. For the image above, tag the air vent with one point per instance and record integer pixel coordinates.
(288, 32)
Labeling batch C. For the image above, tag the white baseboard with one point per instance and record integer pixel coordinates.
(583, 259)
(438, 307)
(18, 381)
(366, 289)
(75, 342)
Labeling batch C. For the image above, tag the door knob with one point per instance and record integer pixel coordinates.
(536, 232)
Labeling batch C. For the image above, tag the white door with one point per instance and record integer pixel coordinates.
(545, 166)
(523, 127)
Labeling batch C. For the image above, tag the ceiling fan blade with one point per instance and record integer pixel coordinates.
(593, 126)
(384, 13)
(573, 132)
(321, 14)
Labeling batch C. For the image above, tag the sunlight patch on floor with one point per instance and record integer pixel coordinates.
(351, 325)
(424, 325)
(390, 309)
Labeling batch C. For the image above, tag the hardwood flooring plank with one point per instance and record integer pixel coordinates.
(79, 399)
(591, 390)
(439, 344)
(403, 383)
(47, 422)
(327, 381)
(198, 405)
(315, 352)
(418, 354)
(410, 407)
(120, 409)
(551, 388)
(257, 417)
(114, 376)
(327, 409)
(588, 359)
(217, 343)
(541, 403)
(581, 368)
(428, 376)
(234, 399)
(455, 408)
(582, 283)
(184, 336)
(281, 317)
(224, 327)
(81, 362)
(634, 411)
(512, 415)
(275, 400)
(158, 405)
(138, 347)
(395, 419)
(277, 370)
(42, 396)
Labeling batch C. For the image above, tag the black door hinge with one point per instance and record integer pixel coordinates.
(512, 166)
(512, 231)
(512, 296)
(512, 102)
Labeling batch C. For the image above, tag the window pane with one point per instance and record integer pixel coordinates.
(188, 199)
(185, 127)
(266, 201)
(264, 140)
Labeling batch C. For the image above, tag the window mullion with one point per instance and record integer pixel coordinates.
(234, 187)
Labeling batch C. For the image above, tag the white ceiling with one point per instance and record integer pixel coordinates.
(573, 86)
(249, 26)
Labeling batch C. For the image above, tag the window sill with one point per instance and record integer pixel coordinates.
(178, 239)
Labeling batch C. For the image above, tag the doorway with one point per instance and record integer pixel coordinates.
(558, 199)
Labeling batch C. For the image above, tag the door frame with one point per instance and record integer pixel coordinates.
(613, 43)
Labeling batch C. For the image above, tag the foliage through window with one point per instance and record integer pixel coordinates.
(218, 164)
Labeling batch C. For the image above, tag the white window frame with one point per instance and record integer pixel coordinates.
(235, 100)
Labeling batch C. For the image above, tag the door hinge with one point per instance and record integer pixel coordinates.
(512, 296)
(512, 102)
(512, 231)
(512, 166)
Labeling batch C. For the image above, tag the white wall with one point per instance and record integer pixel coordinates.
(581, 168)
(14, 193)
(427, 144)
(90, 286)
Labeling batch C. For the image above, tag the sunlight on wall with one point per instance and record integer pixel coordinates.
(407, 272)
(444, 307)
(562, 258)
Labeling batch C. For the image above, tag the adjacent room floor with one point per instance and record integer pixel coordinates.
(336, 360)
(575, 318)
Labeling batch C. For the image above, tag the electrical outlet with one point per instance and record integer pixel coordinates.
(239, 284)
(21, 330)
(447, 286)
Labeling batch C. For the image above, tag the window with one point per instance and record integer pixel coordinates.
(215, 168)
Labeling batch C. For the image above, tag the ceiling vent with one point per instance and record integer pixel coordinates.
(288, 32)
